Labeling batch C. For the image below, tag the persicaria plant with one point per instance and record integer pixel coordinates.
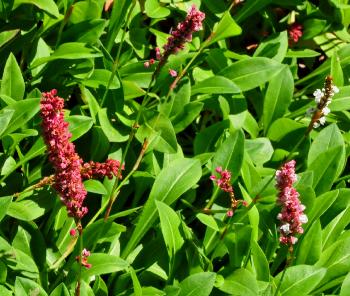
(174, 148)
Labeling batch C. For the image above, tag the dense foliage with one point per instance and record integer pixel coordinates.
(200, 148)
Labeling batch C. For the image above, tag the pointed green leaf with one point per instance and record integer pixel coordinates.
(12, 83)
(198, 284)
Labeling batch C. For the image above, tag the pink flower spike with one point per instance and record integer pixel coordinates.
(173, 73)
(62, 155)
(295, 31)
(292, 214)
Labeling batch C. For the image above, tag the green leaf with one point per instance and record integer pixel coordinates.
(5, 118)
(337, 261)
(23, 112)
(103, 264)
(278, 97)
(5, 202)
(100, 77)
(79, 125)
(188, 114)
(334, 229)
(12, 83)
(155, 10)
(198, 284)
(160, 133)
(169, 185)
(322, 203)
(345, 287)
(225, 28)
(310, 247)
(5, 292)
(70, 51)
(260, 263)
(8, 166)
(111, 133)
(240, 283)
(170, 224)
(300, 279)
(208, 221)
(252, 72)
(95, 186)
(303, 53)
(275, 47)
(215, 85)
(229, 156)
(336, 70)
(135, 282)
(48, 6)
(87, 31)
(25, 286)
(260, 150)
(326, 158)
(250, 7)
(341, 100)
(132, 90)
(60, 290)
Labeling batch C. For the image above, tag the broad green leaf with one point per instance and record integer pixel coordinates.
(300, 279)
(117, 19)
(8, 166)
(23, 111)
(240, 283)
(84, 11)
(252, 72)
(198, 284)
(345, 287)
(208, 221)
(12, 83)
(206, 139)
(215, 85)
(70, 51)
(7, 36)
(101, 77)
(179, 98)
(188, 114)
(304, 53)
(326, 158)
(155, 10)
(341, 100)
(48, 6)
(259, 262)
(225, 28)
(170, 184)
(135, 282)
(275, 47)
(278, 97)
(30, 209)
(322, 203)
(170, 225)
(95, 186)
(79, 125)
(337, 261)
(60, 290)
(159, 132)
(336, 71)
(132, 90)
(260, 150)
(250, 7)
(25, 286)
(5, 292)
(103, 264)
(5, 202)
(310, 247)
(229, 156)
(334, 229)
(87, 31)
(111, 133)
(5, 118)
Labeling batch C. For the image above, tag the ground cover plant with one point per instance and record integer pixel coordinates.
(173, 147)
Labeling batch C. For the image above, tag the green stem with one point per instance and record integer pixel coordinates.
(63, 23)
(80, 229)
(289, 263)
